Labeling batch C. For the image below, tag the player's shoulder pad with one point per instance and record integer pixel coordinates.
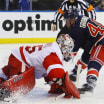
(83, 22)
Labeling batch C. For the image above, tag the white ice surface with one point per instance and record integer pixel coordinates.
(39, 95)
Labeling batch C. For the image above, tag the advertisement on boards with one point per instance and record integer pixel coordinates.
(28, 25)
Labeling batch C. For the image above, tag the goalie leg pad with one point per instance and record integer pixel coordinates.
(22, 83)
(70, 88)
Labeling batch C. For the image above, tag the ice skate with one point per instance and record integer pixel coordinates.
(89, 86)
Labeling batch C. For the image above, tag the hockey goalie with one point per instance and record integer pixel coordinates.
(28, 63)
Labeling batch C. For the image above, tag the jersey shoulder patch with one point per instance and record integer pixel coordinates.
(83, 22)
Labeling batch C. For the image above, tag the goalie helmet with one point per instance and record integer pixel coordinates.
(66, 45)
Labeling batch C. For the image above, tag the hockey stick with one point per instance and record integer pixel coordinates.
(78, 73)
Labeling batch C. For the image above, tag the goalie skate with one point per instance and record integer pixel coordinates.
(4, 93)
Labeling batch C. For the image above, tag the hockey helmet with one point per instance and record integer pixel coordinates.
(71, 14)
(66, 45)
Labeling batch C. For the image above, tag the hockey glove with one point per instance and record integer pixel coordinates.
(64, 85)
(56, 89)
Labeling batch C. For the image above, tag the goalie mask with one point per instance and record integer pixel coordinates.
(66, 45)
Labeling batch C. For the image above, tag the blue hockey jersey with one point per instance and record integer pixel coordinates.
(87, 33)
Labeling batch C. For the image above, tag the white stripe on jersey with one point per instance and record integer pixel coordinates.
(51, 67)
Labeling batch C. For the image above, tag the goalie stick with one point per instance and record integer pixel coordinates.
(78, 73)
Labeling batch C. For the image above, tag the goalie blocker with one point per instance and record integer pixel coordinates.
(70, 88)
(21, 83)
(67, 87)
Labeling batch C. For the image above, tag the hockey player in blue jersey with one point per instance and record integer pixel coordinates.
(88, 34)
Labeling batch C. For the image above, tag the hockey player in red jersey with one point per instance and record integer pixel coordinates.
(87, 34)
(27, 63)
